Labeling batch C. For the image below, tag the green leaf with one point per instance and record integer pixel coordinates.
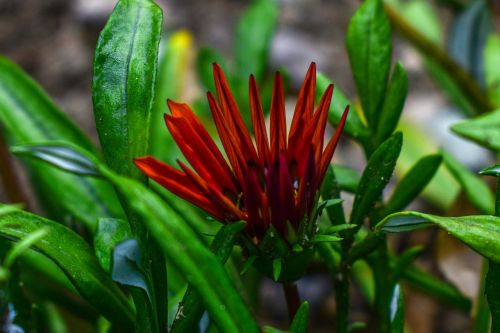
(436, 288)
(467, 37)
(110, 232)
(353, 127)
(480, 232)
(173, 64)
(369, 46)
(300, 322)
(348, 178)
(75, 258)
(64, 157)
(326, 238)
(491, 68)
(397, 312)
(330, 190)
(405, 260)
(476, 190)
(24, 244)
(253, 39)
(377, 174)
(482, 130)
(492, 289)
(123, 85)
(27, 115)
(276, 268)
(191, 308)
(413, 183)
(128, 266)
(393, 103)
(183, 249)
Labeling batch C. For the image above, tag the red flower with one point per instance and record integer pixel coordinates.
(272, 182)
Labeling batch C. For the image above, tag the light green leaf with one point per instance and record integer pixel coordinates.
(300, 323)
(482, 130)
(491, 68)
(476, 190)
(480, 232)
(110, 232)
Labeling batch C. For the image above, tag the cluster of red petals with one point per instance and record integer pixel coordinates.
(274, 181)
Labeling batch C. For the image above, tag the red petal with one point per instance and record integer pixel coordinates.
(232, 114)
(259, 127)
(286, 190)
(176, 182)
(330, 148)
(255, 205)
(278, 119)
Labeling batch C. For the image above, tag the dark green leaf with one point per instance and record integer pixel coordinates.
(253, 39)
(478, 193)
(405, 260)
(467, 37)
(493, 170)
(27, 116)
(397, 312)
(492, 289)
(75, 258)
(326, 238)
(123, 85)
(330, 190)
(480, 232)
(109, 233)
(128, 266)
(354, 127)
(393, 103)
(191, 308)
(300, 322)
(413, 183)
(482, 130)
(369, 46)
(375, 177)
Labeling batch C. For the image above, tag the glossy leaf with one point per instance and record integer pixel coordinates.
(397, 312)
(467, 37)
(183, 249)
(413, 183)
(28, 115)
(393, 103)
(480, 232)
(23, 245)
(369, 46)
(173, 64)
(128, 266)
(123, 85)
(353, 127)
(191, 308)
(64, 157)
(253, 39)
(300, 322)
(491, 68)
(482, 130)
(110, 232)
(476, 190)
(377, 174)
(75, 258)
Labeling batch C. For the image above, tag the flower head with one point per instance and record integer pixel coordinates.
(272, 181)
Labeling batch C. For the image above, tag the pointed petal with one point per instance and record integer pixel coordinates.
(278, 119)
(176, 182)
(286, 190)
(232, 114)
(330, 148)
(255, 205)
(305, 195)
(259, 127)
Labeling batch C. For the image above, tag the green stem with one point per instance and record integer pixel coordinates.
(383, 288)
(292, 299)
(463, 79)
(342, 297)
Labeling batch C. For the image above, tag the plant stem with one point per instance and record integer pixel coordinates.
(292, 299)
(462, 78)
(342, 297)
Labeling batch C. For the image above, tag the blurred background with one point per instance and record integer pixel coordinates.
(53, 40)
